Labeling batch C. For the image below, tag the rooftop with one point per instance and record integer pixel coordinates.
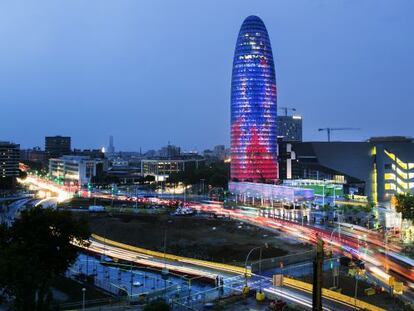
(377, 139)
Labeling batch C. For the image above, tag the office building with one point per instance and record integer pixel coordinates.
(92, 153)
(111, 148)
(289, 128)
(57, 146)
(33, 155)
(75, 170)
(219, 153)
(9, 164)
(253, 106)
(161, 168)
(169, 151)
(379, 168)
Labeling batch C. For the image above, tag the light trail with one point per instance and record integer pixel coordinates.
(62, 194)
(290, 297)
(353, 238)
(349, 244)
(147, 261)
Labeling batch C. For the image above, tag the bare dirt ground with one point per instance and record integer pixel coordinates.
(220, 240)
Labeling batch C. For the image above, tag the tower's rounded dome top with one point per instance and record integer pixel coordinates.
(253, 28)
(254, 18)
(253, 22)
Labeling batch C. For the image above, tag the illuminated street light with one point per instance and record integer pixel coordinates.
(83, 298)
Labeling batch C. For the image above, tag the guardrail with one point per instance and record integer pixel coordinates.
(332, 295)
(196, 262)
(282, 262)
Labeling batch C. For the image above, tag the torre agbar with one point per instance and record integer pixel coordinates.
(253, 106)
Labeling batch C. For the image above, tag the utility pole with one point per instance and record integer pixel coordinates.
(83, 298)
(317, 277)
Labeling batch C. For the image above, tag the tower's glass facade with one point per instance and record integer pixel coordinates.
(253, 106)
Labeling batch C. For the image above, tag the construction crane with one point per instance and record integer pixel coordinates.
(329, 129)
(286, 109)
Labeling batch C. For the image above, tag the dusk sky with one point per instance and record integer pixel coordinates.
(148, 72)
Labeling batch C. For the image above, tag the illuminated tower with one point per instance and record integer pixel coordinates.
(253, 106)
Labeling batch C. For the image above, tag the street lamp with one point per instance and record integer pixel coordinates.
(83, 298)
(323, 193)
(245, 264)
(386, 233)
(358, 271)
(356, 289)
(136, 197)
(247, 258)
(339, 221)
(330, 242)
(202, 191)
(339, 236)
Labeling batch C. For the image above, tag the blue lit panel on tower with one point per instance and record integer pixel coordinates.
(253, 106)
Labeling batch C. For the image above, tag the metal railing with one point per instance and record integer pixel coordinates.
(282, 263)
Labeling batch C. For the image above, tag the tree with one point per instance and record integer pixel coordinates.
(149, 178)
(405, 205)
(34, 250)
(22, 174)
(215, 174)
(157, 305)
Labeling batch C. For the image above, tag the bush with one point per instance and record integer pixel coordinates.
(157, 305)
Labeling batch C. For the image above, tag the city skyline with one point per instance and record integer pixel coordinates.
(68, 71)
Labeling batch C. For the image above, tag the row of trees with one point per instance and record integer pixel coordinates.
(216, 174)
(33, 251)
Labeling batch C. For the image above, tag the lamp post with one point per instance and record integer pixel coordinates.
(386, 251)
(245, 264)
(333, 231)
(83, 298)
(330, 242)
(136, 197)
(339, 221)
(260, 260)
(323, 193)
(202, 189)
(356, 289)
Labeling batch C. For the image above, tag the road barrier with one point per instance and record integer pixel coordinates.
(332, 295)
(196, 262)
(283, 263)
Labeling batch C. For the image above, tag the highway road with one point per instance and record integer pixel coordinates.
(191, 269)
(188, 267)
(366, 245)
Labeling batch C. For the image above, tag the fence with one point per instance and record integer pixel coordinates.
(123, 281)
(282, 263)
(196, 300)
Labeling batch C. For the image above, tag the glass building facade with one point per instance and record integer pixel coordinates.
(253, 106)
